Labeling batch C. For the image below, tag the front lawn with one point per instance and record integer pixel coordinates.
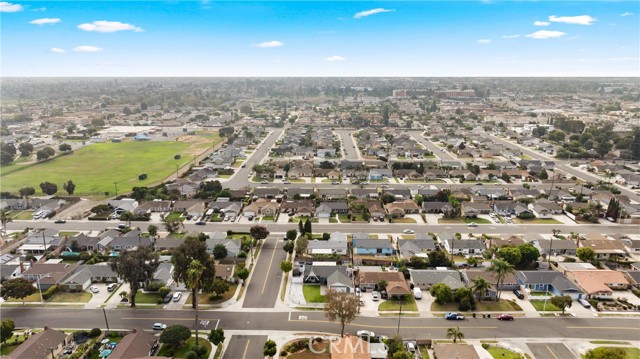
(539, 305)
(64, 297)
(464, 220)
(147, 297)
(403, 220)
(204, 298)
(344, 218)
(536, 221)
(267, 218)
(392, 305)
(174, 216)
(35, 297)
(182, 352)
(484, 306)
(497, 352)
(22, 215)
(312, 293)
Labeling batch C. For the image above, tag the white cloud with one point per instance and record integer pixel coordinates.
(9, 7)
(576, 20)
(366, 13)
(57, 50)
(44, 21)
(484, 41)
(108, 26)
(627, 14)
(541, 23)
(335, 58)
(623, 59)
(267, 44)
(510, 36)
(87, 48)
(546, 34)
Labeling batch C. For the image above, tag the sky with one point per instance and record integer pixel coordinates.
(319, 38)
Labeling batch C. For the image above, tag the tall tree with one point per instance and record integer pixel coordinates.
(127, 216)
(561, 301)
(25, 149)
(307, 226)
(219, 251)
(342, 307)
(510, 254)
(4, 219)
(153, 230)
(194, 280)
(292, 234)
(586, 254)
(175, 335)
(529, 254)
(64, 147)
(136, 268)
(7, 327)
(18, 288)
(192, 248)
(455, 334)
(500, 268)
(259, 232)
(286, 266)
(48, 188)
(69, 186)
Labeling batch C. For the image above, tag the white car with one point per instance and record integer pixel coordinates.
(375, 296)
(472, 224)
(94, 289)
(159, 326)
(408, 231)
(365, 333)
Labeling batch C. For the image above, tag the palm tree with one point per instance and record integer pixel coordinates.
(455, 333)
(555, 232)
(127, 216)
(4, 219)
(480, 286)
(194, 278)
(500, 268)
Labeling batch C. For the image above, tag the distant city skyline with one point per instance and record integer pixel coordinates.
(348, 38)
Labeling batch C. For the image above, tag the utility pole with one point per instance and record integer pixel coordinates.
(105, 320)
(44, 245)
(399, 316)
(116, 184)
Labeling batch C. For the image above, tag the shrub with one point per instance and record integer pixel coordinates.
(49, 292)
(283, 353)
(192, 355)
(485, 346)
(153, 286)
(95, 332)
(163, 291)
(201, 350)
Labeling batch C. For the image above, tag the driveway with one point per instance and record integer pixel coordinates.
(115, 299)
(416, 217)
(98, 298)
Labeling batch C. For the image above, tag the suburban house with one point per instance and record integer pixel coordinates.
(633, 276)
(299, 192)
(425, 278)
(302, 208)
(605, 248)
(464, 246)
(49, 274)
(436, 207)
(153, 207)
(192, 208)
(332, 193)
(364, 193)
(377, 174)
(84, 275)
(266, 192)
(137, 344)
(337, 244)
(228, 208)
(127, 243)
(556, 247)
(163, 274)
(82, 242)
(261, 207)
(632, 245)
(399, 209)
(509, 208)
(122, 205)
(376, 210)
(373, 247)
(415, 247)
(505, 241)
(335, 207)
(547, 281)
(396, 284)
(233, 246)
(598, 283)
(473, 209)
(42, 345)
(319, 272)
(509, 282)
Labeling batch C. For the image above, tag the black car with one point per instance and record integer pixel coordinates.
(200, 223)
(167, 298)
(518, 294)
(60, 221)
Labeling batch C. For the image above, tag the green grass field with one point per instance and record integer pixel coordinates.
(392, 305)
(539, 305)
(123, 162)
(312, 294)
(631, 352)
(500, 353)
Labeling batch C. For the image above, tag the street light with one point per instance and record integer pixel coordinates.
(48, 275)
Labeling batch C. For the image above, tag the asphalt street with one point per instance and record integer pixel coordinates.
(349, 146)
(245, 347)
(264, 288)
(550, 351)
(241, 177)
(347, 227)
(264, 321)
(440, 152)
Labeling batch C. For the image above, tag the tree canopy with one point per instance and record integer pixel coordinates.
(136, 268)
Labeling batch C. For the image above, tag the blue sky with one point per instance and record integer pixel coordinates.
(321, 38)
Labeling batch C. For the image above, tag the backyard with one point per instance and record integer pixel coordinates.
(123, 161)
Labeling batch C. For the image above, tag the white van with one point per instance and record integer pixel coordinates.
(417, 293)
(584, 303)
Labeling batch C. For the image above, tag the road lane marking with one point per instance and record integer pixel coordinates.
(275, 249)
(246, 347)
(550, 351)
(387, 326)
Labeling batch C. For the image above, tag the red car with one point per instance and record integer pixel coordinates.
(505, 317)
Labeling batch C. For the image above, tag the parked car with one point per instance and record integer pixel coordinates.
(201, 223)
(335, 182)
(365, 333)
(167, 298)
(417, 293)
(111, 287)
(94, 289)
(263, 182)
(505, 317)
(518, 293)
(408, 231)
(453, 316)
(375, 296)
(177, 296)
(472, 224)
(286, 182)
(60, 221)
(584, 303)
(411, 347)
(159, 326)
